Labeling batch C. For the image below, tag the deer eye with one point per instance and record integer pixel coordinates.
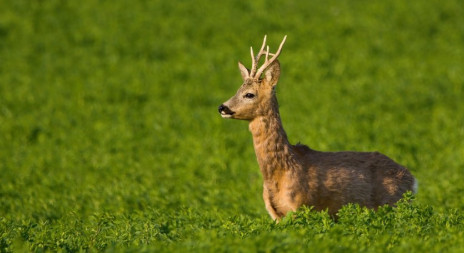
(249, 95)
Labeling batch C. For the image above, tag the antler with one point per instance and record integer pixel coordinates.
(267, 62)
(255, 59)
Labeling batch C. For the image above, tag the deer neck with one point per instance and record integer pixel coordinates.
(273, 150)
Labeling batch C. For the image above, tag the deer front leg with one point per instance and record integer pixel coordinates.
(267, 201)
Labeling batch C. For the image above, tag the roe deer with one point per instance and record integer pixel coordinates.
(295, 175)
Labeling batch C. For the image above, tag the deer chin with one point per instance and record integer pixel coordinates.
(227, 115)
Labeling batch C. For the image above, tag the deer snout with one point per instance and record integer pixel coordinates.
(221, 108)
(225, 111)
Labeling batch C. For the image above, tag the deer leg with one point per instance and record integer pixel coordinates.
(267, 201)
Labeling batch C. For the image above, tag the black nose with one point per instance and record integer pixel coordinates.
(221, 108)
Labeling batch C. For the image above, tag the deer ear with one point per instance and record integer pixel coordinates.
(244, 71)
(272, 74)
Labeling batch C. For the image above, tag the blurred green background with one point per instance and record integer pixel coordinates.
(110, 136)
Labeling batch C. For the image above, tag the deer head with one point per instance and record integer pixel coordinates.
(255, 95)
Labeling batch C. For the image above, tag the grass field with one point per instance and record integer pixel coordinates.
(110, 138)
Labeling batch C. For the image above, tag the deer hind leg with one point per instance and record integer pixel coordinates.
(267, 201)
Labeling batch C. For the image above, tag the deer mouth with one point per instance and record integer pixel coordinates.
(227, 115)
(225, 111)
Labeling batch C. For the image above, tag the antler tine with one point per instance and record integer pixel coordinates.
(267, 53)
(264, 44)
(255, 59)
(274, 57)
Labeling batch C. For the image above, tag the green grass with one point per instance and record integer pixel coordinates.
(110, 137)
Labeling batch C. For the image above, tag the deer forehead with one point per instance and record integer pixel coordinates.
(251, 81)
(252, 85)
(248, 81)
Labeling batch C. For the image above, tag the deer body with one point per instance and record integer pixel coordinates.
(295, 175)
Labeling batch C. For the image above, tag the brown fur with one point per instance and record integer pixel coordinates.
(295, 175)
